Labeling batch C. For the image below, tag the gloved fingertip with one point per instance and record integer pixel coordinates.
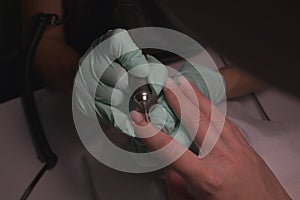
(137, 117)
(141, 71)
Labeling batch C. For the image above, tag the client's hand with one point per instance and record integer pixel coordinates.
(232, 170)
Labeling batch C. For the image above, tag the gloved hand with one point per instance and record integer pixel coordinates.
(114, 63)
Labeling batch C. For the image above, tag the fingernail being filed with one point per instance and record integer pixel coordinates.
(136, 117)
(142, 128)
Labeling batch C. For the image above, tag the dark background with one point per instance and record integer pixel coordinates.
(262, 37)
(10, 41)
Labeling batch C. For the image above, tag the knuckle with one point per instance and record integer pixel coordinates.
(117, 37)
(193, 121)
(195, 117)
(214, 183)
(114, 32)
(119, 30)
(114, 40)
(203, 122)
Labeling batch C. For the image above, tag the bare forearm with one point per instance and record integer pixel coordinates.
(56, 63)
(239, 83)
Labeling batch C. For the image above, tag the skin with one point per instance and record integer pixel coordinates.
(239, 82)
(54, 61)
(232, 170)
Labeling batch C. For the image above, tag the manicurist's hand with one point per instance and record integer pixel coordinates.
(108, 74)
(231, 170)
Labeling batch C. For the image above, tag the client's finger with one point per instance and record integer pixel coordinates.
(192, 118)
(182, 106)
(216, 117)
(202, 102)
(167, 148)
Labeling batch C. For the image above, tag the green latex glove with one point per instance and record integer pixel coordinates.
(115, 65)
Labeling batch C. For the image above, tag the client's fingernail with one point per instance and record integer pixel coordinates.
(170, 83)
(136, 116)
